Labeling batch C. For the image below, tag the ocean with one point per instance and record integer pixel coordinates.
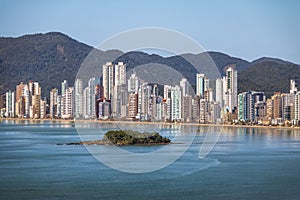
(245, 163)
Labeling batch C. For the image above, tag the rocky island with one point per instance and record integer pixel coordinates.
(127, 137)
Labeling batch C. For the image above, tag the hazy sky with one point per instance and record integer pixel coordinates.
(246, 29)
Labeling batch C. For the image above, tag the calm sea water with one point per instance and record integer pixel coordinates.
(246, 163)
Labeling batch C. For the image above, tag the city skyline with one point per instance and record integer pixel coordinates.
(112, 96)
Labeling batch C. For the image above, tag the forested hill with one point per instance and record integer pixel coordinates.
(53, 57)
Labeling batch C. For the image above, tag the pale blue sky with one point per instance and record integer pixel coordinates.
(245, 29)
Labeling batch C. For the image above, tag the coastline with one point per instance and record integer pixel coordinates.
(149, 123)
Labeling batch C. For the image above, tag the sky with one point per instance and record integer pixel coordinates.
(244, 29)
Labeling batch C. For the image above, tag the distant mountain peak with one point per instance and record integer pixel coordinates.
(269, 59)
(52, 57)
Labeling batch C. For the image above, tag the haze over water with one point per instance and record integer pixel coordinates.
(246, 163)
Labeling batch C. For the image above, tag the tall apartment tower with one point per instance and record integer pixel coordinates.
(64, 86)
(53, 102)
(119, 100)
(202, 84)
(293, 88)
(78, 98)
(68, 103)
(176, 103)
(230, 88)
(108, 80)
(133, 83)
(219, 91)
(297, 106)
(184, 86)
(10, 104)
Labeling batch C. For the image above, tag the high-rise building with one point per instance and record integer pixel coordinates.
(133, 83)
(68, 103)
(42, 109)
(27, 98)
(20, 107)
(78, 98)
(10, 104)
(99, 93)
(119, 100)
(277, 105)
(59, 106)
(270, 114)
(246, 105)
(89, 99)
(36, 112)
(202, 85)
(132, 105)
(36, 89)
(19, 90)
(196, 108)
(85, 101)
(287, 100)
(215, 111)
(204, 111)
(184, 86)
(144, 94)
(64, 86)
(120, 74)
(176, 103)
(297, 107)
(104, 109)
(293, 88)
(219, 91)
(167, 91)
(230, 89)
(108, 80)
(159, 108)
(53, 102)
(186, 109)
(260, 111)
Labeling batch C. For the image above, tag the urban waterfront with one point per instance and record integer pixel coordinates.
(246, 163)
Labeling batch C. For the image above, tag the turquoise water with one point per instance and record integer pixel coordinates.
(246, 163)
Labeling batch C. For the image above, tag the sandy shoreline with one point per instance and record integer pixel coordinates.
(149, 123)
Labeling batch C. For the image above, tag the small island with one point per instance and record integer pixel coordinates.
(127, 137)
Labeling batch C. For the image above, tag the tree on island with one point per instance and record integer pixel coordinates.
(130, 137)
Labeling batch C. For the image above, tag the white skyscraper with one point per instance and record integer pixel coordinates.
(184, 86)
(133, 83)
(293, 88)
(78, 98)
(64, 86)
(202, 84)
(37, 89)
(167, 91)
(297, 106)
(27, 100)
(143, 101)
(230, 100)
(120, 74)
(119, 89)
(59, 106)
(176, 103)
(91, 104)
(108, 80)
(68, 103)
(219, 91)
(10, 104)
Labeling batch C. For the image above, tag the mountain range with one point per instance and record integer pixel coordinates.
(53, 57)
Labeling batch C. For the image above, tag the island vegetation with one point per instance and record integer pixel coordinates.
(130, 137)
(127, 137)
